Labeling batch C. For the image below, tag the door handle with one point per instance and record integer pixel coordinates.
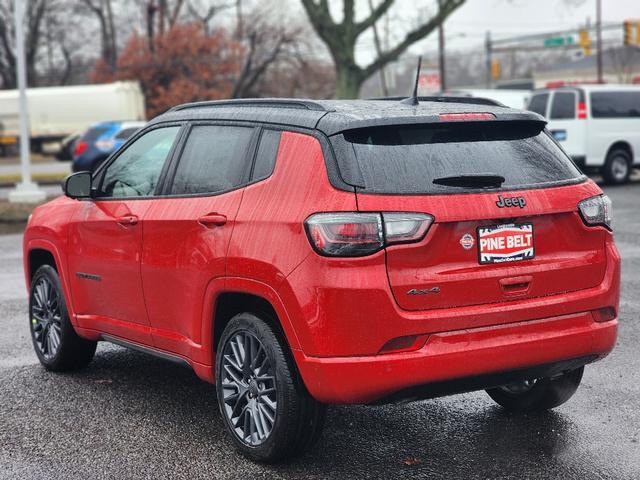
(127, 220)
(212, 220)
(516, 285)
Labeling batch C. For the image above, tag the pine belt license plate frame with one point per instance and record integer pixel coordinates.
(514, 251)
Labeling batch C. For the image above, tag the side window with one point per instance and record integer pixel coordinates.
(214, 160)
(266, 155)
(563, 106)
(615, 104)
(135, 172)
(538, 103)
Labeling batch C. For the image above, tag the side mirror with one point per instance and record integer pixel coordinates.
(77, 185)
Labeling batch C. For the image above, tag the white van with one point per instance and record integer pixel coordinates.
(597, 125)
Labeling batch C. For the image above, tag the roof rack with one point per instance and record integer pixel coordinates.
(449, 99)
(255, 102)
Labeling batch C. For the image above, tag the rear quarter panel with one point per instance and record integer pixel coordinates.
(269, 240)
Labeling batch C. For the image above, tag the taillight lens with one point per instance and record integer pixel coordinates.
(360, 234)
(405, 227)
(597, 211)
(582, 111)
(81, 147)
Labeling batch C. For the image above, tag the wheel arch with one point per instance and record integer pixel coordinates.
(40, 252)
(623, 145)
(37, 258)
(232, 295)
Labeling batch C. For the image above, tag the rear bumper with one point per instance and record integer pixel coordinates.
(467, 354)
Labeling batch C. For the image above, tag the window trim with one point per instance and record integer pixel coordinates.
(575, 105)
(98, 176)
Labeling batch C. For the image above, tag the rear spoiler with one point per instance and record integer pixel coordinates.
(334, 128)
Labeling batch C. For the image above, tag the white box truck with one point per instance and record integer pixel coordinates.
(56, 112)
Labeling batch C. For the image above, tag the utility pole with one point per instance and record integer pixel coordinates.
(599, 39)
(441, 55)
(489, 58)
(26, 191)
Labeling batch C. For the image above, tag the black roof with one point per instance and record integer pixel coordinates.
(334, 116)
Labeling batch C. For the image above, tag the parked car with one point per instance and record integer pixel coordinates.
(597, 125)
(67, 147)
(302, 253)
(100, 141)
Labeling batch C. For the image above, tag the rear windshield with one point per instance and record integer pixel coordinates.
(126, 133)
(615, 104)
(94, 133)
(407, 159)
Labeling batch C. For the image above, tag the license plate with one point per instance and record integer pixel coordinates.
(505, 243)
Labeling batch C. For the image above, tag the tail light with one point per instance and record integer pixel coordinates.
(81, 147)
(582, 111)
(359, 234)
(596, 211)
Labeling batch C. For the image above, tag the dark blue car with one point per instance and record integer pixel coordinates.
(100, 141)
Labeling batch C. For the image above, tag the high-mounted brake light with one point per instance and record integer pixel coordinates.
(359, 234)
(596, 211)
(582, 111)
(462, 117)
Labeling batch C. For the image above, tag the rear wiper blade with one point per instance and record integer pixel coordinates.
(476, 180)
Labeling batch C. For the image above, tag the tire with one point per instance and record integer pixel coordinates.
(617, 167)
(295, 420)
(538, 395)
(57, 345)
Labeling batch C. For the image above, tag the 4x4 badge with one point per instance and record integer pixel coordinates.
(511, 202)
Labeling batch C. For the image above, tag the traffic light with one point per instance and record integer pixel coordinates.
(628, 32)
(585, 42)
(496, 69)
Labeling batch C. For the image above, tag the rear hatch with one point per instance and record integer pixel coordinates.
(504, 200)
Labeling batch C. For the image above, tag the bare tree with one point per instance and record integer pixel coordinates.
(265, 44)
(103, 10)
(341, 39)
(204, 13)
(34, 22)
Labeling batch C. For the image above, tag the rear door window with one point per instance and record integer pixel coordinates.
(213, 160)
(126, 133)
(94, 134)
(615, 104)
(538, 103)
(563, 106)
(407, 159)
(266, 155)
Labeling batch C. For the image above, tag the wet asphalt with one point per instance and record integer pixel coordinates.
(133, 416)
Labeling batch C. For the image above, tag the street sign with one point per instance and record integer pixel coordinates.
(558, 41)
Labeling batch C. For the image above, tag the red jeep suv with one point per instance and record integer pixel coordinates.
(302, 253)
